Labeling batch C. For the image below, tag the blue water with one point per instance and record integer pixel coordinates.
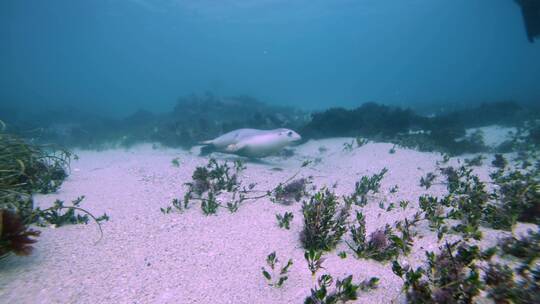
(115, 56)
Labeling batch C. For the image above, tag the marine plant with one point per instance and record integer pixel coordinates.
(475, 161)
(360, 141)
(390, 207)
(366, 185)
(526, 248)
(175, 162)
(348, 147)
(364, 248)
(177, 205)
(518, 281)
(210, 181)
(499, 161)
(434, 212)
(506, 286)
(324, 221)
(55, 216)
(357, 142)
(383, 244)
(461, 273)
(344, 291)
(427, 180)
(517, 196)
(284, 220)
(403, 204)
(467, 200)
(15, 236)
(25, 169)
(451, 276)
(276, 276)
(314, 260)
(218, 185)
(290, 192)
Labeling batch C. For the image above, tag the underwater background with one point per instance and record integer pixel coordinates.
(113, 57)
(396, 156)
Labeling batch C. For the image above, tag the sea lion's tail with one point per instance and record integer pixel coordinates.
(205, 150)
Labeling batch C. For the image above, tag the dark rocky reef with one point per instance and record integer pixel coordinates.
(445, 132)
(369, 120)
(201, 117)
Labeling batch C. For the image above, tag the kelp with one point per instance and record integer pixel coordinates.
(27, 168)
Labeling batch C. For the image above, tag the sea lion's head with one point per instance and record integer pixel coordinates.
(289, 135)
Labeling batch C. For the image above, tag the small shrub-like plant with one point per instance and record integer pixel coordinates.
(276, 276)
(324, 221)
(363, 187)
(344, 292)
(284, 221)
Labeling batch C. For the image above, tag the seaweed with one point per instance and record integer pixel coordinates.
(499, 161)
(284, 220)
(290, 192)
(25, 169)
(427, 180)
(518, 198)
(15, 236)
(274, 277)
(314, 260)
(345, 290)
(451, 276)
(526, 248)
(215, 181)
(505, 286)
(209, 182)
(359, 141)
(363, 187)
(434, 212)
(475, 161)
(324, 221)
(383, 244)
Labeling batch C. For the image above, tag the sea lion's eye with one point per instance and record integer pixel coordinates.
(289, 133)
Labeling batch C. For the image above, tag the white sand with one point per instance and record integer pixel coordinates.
(494, 135)
(150, 257)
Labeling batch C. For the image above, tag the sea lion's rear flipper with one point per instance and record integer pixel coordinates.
(205, 150)
(531, 17)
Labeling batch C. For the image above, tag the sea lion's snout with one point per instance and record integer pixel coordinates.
(293, 136)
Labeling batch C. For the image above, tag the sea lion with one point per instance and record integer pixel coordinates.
(251, 142)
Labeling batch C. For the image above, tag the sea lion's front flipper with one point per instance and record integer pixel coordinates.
(231, 148)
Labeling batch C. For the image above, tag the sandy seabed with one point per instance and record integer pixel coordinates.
(146, 256)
